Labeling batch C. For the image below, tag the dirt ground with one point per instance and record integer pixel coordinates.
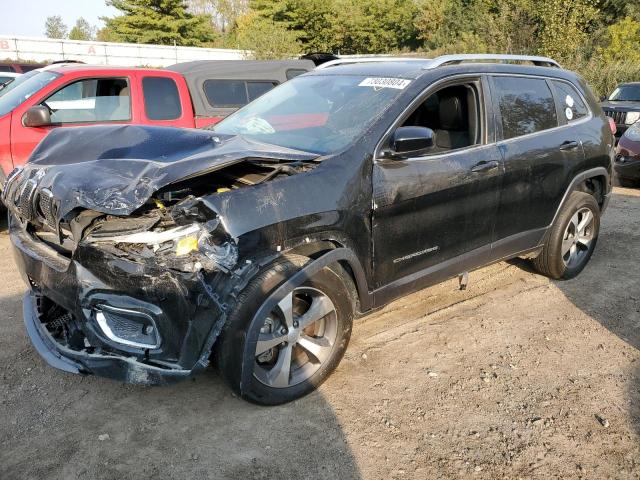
(516, 377)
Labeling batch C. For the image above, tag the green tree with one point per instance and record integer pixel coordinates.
(82, 30)
(54, 27)
(264, 39)
(165, 22)
(623, 39)
(565, 26)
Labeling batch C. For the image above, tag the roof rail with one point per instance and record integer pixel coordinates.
(456, 59)
(372, 59)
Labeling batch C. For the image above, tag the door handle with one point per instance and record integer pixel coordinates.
(569, 145)
(485, 166)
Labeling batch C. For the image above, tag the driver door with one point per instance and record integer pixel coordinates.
(432, 211)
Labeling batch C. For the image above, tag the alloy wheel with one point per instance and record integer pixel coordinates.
(296, 339)
(578, 237)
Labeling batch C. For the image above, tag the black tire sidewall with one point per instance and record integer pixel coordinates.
(232, 356)
(556, 266)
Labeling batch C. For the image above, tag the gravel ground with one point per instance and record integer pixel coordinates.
(516, 377)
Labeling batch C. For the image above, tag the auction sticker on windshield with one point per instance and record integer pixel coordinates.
(377, 83)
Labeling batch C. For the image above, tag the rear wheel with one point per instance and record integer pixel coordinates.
(299, 342)
(572, 238)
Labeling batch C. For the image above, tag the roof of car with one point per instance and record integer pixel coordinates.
(240, 69)
(82, 67)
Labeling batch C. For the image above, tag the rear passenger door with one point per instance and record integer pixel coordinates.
(540, 149)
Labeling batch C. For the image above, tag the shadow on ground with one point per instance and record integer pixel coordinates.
(61, 426)
(608, 289)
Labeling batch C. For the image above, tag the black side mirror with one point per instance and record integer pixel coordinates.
(411, 141)
(37, 116)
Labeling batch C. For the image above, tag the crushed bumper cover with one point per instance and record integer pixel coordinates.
(126, 369)
(184, 307)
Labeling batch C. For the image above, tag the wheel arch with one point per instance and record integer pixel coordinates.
(595, 181)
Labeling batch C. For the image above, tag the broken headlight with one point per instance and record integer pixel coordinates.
(194, 243)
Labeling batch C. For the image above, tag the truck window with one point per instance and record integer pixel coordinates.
(235, 93)
(526, 105)
(161, 98)
(91, 100)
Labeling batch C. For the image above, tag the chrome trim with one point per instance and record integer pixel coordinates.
(104, 326)
(365, 59)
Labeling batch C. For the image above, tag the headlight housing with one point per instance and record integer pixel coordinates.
(192, 245)
(632, 117)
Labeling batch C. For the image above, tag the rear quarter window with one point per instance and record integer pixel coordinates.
(526, 105)
(570, 101)
(161, 98)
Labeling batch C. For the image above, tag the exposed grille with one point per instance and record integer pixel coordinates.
(46, 207)
(618, 117)
(25, 200)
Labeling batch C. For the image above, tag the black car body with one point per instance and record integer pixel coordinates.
(385, 209)
(623, 105)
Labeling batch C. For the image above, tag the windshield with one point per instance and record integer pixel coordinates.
(626, 93)
(319, 114)
(22, 88)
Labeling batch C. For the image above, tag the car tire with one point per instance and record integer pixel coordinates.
(572, 238)
(266, 386)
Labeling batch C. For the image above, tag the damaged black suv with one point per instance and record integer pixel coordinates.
(150, 252)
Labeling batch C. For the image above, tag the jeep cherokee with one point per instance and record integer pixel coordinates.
(151, 251)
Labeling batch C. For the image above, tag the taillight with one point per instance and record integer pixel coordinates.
(612, 125)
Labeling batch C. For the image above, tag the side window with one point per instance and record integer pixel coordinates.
(294, 72)
(161, 98)
(234, 93)
(255, 89)
(453, 113)
(91, 100)
(526, 105)
(570, 101)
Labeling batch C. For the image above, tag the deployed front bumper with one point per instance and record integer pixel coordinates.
(182, 306)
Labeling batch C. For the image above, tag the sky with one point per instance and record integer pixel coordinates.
(27, 17)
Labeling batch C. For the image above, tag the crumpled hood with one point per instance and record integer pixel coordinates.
(115, 169)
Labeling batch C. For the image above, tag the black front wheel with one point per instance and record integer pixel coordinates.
(299, 343)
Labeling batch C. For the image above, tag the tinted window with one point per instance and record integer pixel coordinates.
(234, 93)
(226, 93)
(294, 72)
(91, 100)
(161, 98)
(570, 101)
(526, 105)
(255, 89)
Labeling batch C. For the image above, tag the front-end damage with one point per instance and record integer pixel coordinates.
(139, 296)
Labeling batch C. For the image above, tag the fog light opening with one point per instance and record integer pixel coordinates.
(128, 327)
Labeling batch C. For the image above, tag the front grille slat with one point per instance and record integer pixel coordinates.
(618, 117)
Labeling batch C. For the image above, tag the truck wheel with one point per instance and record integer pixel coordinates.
(572, 238)
(299, 343)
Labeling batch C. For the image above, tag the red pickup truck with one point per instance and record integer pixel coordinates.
(192, 95)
